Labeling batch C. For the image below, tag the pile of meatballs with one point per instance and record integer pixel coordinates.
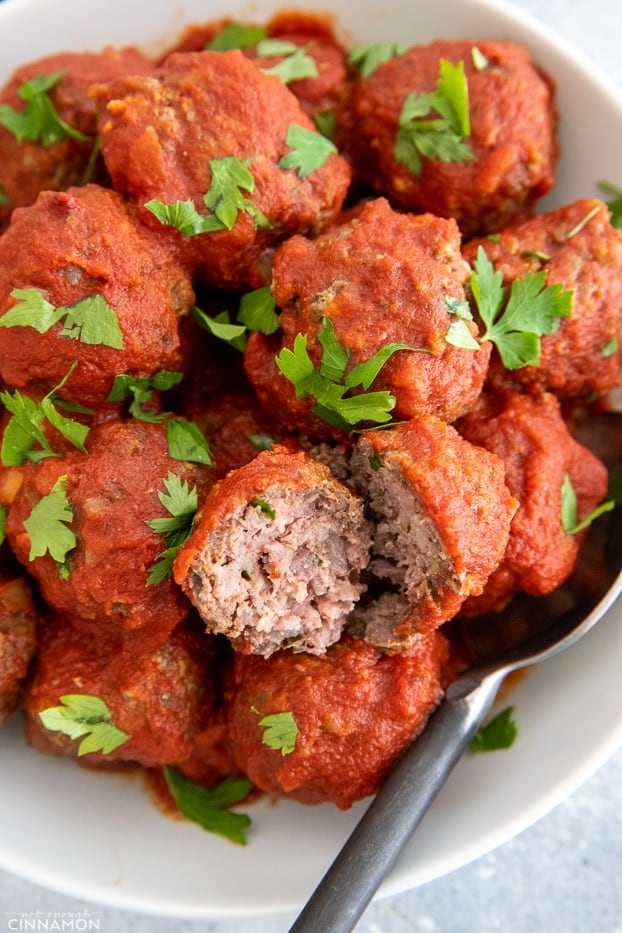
(322, 565)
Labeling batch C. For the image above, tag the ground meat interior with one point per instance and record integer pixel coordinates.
(284, 569)
(408, 562)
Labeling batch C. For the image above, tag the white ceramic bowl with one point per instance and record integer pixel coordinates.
(100, 837)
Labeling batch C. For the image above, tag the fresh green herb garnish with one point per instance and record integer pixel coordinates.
(140, 389)
(2, 524)
(47, 526)
(187, 442)
(368, 56)
(310, 150)
(262, 441)
(584, 220)
(83, 714)
(91, 320)
(222, 327)
(480, 62)
(237, 36)
(329, 384)
(569, 517)
(181, 502)
(5, 200)
(326, 122)
(614, 203)
(421, 135)
(24, 429)
(225, 199)
(280, 731)
(257, 311)
(296, 65)
(499, 733)
(610, 348)
(209, 807)
(533, 310)
(39, 120)
(264, 507)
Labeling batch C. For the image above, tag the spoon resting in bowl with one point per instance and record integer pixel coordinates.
(532, 631)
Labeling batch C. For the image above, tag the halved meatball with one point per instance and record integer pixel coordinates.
(441, 513)
(576, 247)
(540, 455)
(88, 248)
(18, 639)
(512, 134)
(276, 553)
(355, 710)
(161, 136)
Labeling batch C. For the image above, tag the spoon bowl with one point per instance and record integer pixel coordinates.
(530, 630)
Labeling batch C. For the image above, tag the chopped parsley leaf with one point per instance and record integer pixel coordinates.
(499, 733)
(614, 203)
(368, 56)
(39, 120)
(257, 311)
(236, 36)
(569, 516)
(421, 135)
(280, 731)
(532, 310)
(610, 348)
(329, 384)
(47, 526)
(24, 429)
(139, 389)
(187, 442)
(208, 807)
(225, 200)
(264, 507)
(262, 441)
(584, 220)
(222, 327)
(296, 64)
(326, 122)
(91, 320)
(82, 714)
(181, 502)
(310, 150)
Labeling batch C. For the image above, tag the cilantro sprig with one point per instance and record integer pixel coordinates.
(48, 527)
(569, 514)
(421, 135)
(24, 430)
(82, 714)
(91, 320)
(230, 178)
(329, 383)
(515, 324)
(209, 807)
(181, 502)
(309, 150)
(280, 730)
(39, 120)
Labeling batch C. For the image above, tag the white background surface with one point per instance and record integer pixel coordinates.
(561, 876)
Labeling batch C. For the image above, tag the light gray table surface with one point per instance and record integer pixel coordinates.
(563, 874)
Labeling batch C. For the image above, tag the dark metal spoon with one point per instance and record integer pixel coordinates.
(532, 631)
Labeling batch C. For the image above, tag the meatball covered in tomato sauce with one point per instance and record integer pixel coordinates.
(577, 248)
(18, 640)
(104, 501)
(275, 555)
(154, 698)
(82, 280)
(494, 173)
(59, 152)
(210, 132)
(543, 463)
(353, 711)
(383, 279)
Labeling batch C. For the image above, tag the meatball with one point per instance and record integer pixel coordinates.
(531, 437)
(162, 138)
(512, 134)
(441, 513)
(18, 638)
(77, 245)
(382, 278)
(156, 698)
(579, 249)
(355, 710)
(112, 492)
(29, 166)
(275, 555)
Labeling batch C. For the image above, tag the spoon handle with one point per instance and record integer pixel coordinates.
(384, 829)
